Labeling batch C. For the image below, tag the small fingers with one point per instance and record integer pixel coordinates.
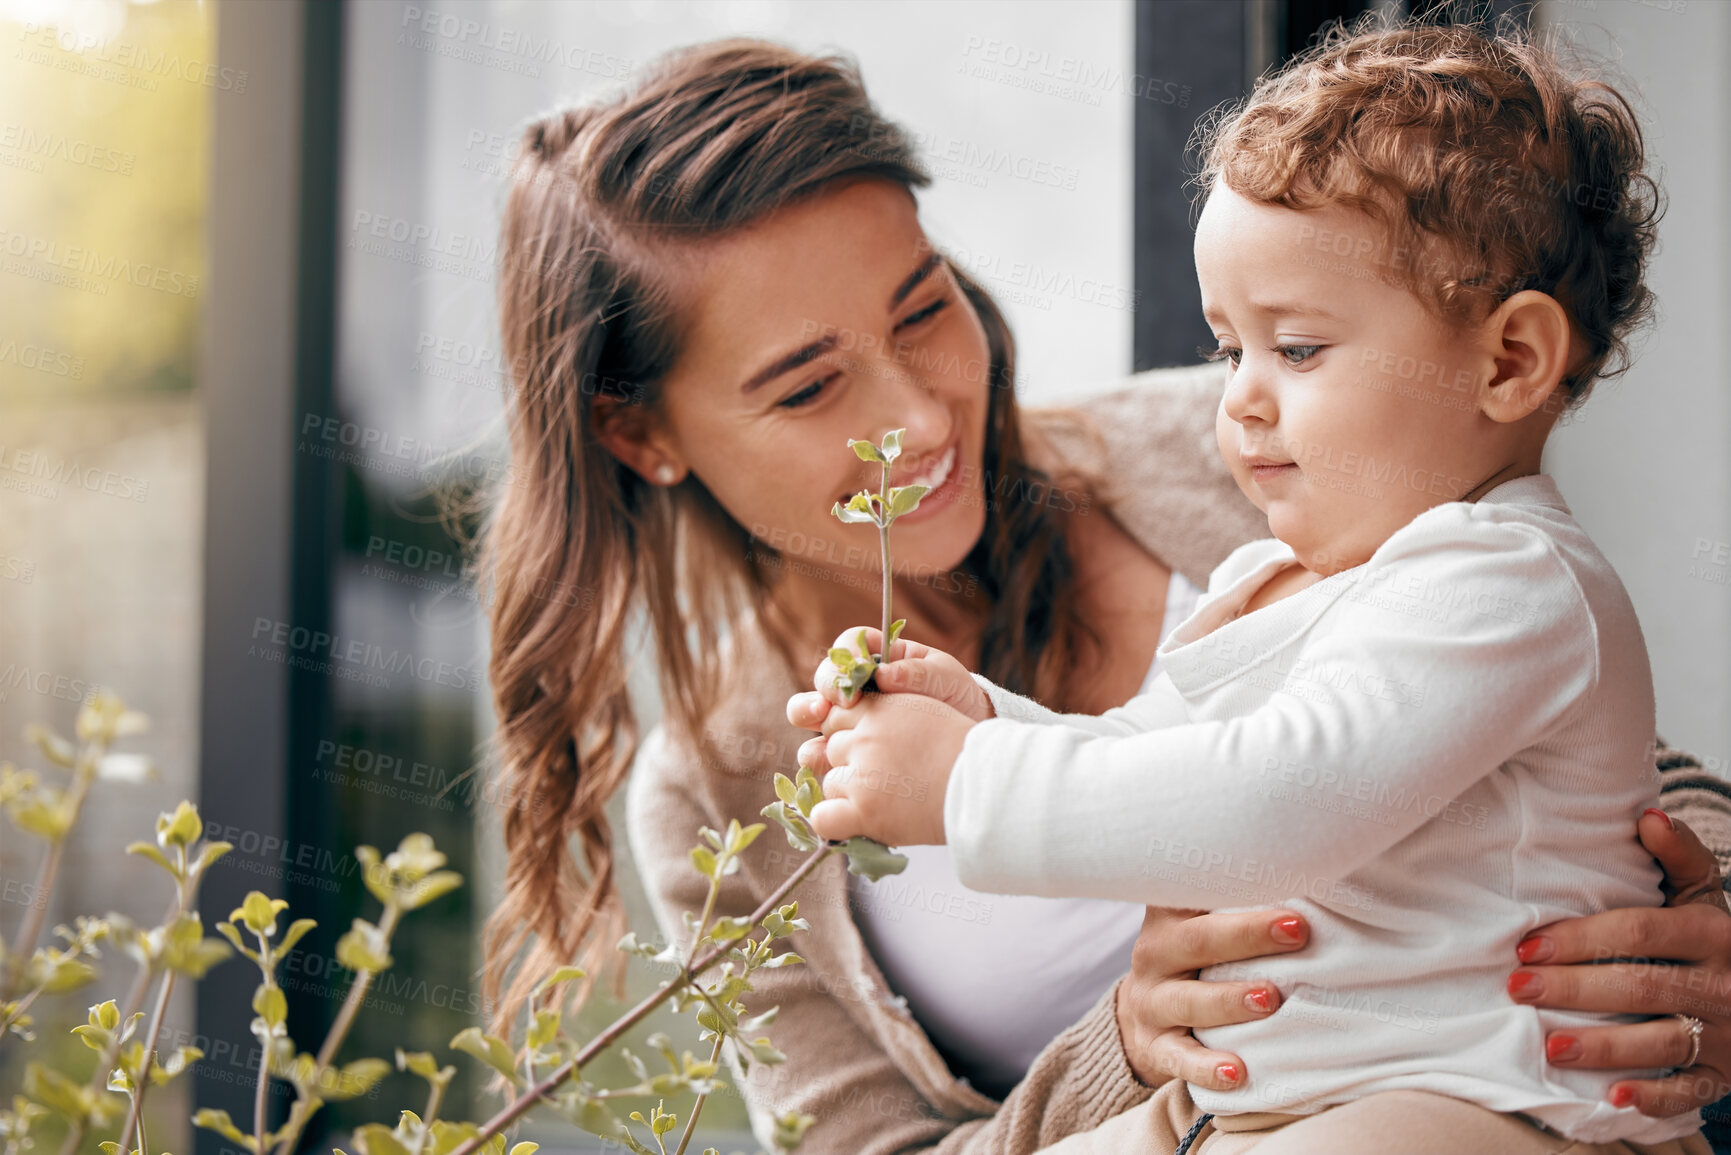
(836, 819)
(1684, 1091)
(1192, 1003)
(813, 752)
(807, 710)
(1182, 1057)
(1691, 870)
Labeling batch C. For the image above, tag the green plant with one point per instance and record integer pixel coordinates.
(408, 878)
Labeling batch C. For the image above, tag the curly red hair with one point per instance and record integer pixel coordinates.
(1491, 164)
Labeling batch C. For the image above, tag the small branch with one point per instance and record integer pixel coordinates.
(357, 994)
(134, 1113)
(697, 1107)
(25, 946)
(105, 1061)
(518, 1106)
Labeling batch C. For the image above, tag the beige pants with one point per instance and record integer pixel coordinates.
(1390, 1123)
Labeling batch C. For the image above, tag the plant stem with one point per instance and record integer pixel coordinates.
(435, 1096)
(134, 1113)
(25, 946)
(357, 994)
(105, 1061)
(514, 1110)
(884, 551)
(261, 1094)
(697, 1107)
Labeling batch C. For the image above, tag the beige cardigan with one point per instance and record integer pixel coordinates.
(857, 1060)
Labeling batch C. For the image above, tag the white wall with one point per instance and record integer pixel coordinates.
(1645, 467)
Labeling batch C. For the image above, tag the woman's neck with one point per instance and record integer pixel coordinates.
(820, 607)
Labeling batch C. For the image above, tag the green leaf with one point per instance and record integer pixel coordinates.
(704, 859)
(783, 787)
(490, 1049)
(544, 1030)
(356, 1078)
(258, 912)
(364, 948)
(892, 445)
(872, 860)
(180, 828)
(798, 831)
(54, 748)
(895, 632)
(270, 1004)
(739, 840)
(866, 451)
(729, 929)
(567, 974)
(378, 1139)
(906, 499)
(148, 850)
(525, 1148)
(857, 511)
(219, 1121)
(293, 934)
(435, 885)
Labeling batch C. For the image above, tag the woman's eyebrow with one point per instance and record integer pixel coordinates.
(914, 278)
(793, 360)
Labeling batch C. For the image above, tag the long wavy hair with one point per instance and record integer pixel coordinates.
(578, 549)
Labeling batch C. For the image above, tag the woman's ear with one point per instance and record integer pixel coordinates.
(628, 432)
(1531, 344)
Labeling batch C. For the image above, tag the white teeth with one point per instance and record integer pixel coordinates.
(939, 472)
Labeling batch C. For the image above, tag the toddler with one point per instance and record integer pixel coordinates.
(1422, 709)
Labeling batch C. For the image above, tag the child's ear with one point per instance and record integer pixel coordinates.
(1530, 344)
(630, 433)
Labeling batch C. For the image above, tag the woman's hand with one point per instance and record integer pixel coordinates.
(1161, 1000)
(1692, 933)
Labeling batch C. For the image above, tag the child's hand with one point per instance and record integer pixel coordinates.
(913, 668)
(890, 759)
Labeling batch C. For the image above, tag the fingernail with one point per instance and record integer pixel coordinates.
(1228, 1072)
(1535, 949)
(1287, 931)
(1525, 985)
(1622, 1096)
(1669, 825)
(1562, 1048)
(1259, 1001)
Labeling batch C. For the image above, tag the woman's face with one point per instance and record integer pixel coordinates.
(832, 319)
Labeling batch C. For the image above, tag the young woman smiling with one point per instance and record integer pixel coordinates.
(708, 285)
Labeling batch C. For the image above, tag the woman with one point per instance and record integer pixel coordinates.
(707, 287)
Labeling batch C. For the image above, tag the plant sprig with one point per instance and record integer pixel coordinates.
(880, 509)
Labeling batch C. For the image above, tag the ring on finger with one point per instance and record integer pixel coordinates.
(1695, 1027)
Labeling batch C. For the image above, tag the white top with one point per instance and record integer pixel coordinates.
(1428, 755)
(993, 978)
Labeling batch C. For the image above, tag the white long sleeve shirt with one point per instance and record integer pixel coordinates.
(1428, 756)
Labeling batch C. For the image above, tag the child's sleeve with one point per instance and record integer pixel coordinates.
(1189, 815)
(1162, 705)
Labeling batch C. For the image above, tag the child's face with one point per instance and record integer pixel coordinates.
(1351, 408)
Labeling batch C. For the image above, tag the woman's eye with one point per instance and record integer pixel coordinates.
(806, 395)
(1224, 353)
(919, 315)
(1297, 354)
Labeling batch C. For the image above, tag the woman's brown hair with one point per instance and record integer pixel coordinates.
(714, 138)
(1494, 166)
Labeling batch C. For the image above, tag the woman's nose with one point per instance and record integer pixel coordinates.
(911, 402)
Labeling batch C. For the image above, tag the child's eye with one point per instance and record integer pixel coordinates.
(1296, 355)
(806, 395)
(919, 315)
(1224, 353)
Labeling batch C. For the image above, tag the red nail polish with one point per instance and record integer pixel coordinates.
(1622, 1096)
(1562, 1048)
(1535, 949)
(1525, 985)
(1669, 825)
(1228, 1072)
(1288, 931)
(1259, 1001)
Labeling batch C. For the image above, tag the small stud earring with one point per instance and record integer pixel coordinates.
(666, 474)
